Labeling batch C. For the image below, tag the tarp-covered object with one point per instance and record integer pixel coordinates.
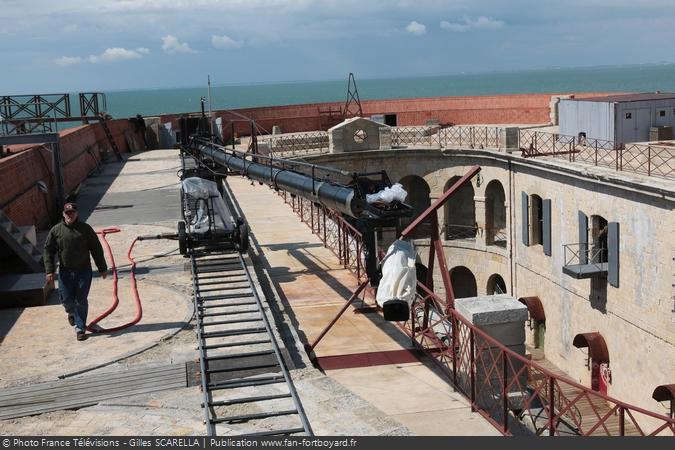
(203, 191)
(388, 195)
(398, 285)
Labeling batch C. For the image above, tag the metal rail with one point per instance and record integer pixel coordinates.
(239, 352)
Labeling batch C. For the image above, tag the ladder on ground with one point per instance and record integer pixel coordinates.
(113, 144)
(17, 241)
(247, 387)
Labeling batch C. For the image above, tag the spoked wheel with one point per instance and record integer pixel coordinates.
(242, 242)
(182, 238)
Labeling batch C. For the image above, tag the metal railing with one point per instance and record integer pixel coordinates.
(460, 232)
(496, 236)
(443, 137)
(583, 253)
(511, 391)
(297, 143)
(335, 232)
(506, 388)
(647, 159)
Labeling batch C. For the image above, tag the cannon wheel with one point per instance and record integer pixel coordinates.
(242, 244)
(182, 238)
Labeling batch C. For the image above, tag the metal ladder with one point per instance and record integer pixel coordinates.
(104, 124)
(243, 375)
(19, 244)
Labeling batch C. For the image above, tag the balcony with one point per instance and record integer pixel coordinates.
(583, 262)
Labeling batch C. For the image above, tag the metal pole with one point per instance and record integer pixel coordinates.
(505, 397)
(472, 370)
(551, 407)
(355, 295)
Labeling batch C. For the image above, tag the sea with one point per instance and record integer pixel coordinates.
(633, 78)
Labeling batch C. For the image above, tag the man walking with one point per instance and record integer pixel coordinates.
(74, 240)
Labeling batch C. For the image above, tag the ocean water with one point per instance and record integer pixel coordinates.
(643, 78)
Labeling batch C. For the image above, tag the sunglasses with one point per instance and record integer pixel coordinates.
(70, 213)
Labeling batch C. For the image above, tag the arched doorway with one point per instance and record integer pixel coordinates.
(597, 359)
(495, 214)
(536, 321)
(418, 197)
(460, 212)
(496, 285)
(463, 282)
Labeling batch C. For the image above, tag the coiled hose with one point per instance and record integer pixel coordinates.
(92, 326)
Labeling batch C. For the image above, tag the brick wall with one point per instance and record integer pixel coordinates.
(80, 147)
(489, 109)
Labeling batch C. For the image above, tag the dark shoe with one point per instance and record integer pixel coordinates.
(81, 336)
(71, 320)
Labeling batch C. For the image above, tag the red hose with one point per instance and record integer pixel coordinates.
(92, 327)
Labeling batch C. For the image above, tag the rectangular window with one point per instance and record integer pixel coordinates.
(662, 113)
(629, 115)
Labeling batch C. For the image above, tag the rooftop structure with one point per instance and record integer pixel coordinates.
(582, 241)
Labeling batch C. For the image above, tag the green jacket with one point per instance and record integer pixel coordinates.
(73, 244)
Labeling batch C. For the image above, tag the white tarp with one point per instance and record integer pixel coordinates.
(388, 195)
(202, 190)
(399, 278)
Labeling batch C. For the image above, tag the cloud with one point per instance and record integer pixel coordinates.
(466, 24)
(71, 28)
(170, 44)
(111, 55)
(224, 41)
(416, 28)
(68, 60)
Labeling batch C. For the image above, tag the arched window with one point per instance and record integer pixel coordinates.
(496, 285)
(460, 212)
(495, 214)
(463, 282)
(418, 197)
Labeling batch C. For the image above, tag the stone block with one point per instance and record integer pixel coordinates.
(510, 333)
(491, 309)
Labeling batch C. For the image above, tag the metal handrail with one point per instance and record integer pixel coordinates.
(592, 254)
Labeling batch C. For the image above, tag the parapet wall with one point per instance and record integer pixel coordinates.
(488, 109)
(81, 150)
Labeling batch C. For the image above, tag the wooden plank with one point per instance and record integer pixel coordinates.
(77, 391)
(89, 380)
(88, 402)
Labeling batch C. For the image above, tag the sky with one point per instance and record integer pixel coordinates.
(103, 45)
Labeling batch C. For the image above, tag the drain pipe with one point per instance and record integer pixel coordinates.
(512, 231)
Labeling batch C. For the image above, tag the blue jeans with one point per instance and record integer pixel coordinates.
(73, 289)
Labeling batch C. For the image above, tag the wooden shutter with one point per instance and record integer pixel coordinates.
(583, 238)
(546, 218)
(525, 218)
(613, 253)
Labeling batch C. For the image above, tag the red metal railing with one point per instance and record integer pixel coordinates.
(513, 393)
(646, 159)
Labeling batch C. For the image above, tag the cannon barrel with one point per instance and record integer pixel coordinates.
(331, 195)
